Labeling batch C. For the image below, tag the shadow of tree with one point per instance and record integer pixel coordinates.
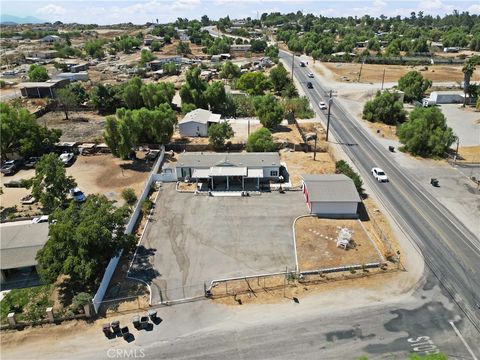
(142, 267)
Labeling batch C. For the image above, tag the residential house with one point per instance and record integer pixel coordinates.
(196, 123)
(229, 171)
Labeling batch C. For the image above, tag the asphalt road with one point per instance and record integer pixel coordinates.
(450, 250)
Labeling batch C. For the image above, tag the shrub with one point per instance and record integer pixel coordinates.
(128, 194)
(341, 167)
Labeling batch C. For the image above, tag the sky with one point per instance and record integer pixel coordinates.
(138, 12)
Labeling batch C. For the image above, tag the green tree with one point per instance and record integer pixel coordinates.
(205, 20)
(192, 92)
(272, 52)
(468, 70)
(183, 48)
(155, 94)
(342, 167)
(254, 83)
(106, 98)
(218, 100)
(20, 133)
(260, 141)
(279, 77)
(187, 107)
(82, 240)
(268, 110)
(94, 48)
(230, 71)
(128, 194)
(384, 108)
(426, 133)
(414, 85)
(219, 133)
(51, 185)
(132, 96)
(37, 73)
(129, 128)
(258, 45)
(67, 99)
(146, 56)
(79, 92)
(171, 69)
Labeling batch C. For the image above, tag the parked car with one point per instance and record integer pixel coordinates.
(379, 174)
(10, 167)
(310, 75)
(28, 200)
(322, 105)
(309, 85)
(40, 219)
(31, 162)
(78, 195)
(14, 184)
(67, 158)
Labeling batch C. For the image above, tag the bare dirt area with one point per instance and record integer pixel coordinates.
(317, 249)
(374, 73)
(287, 133)
(299, 163)
(383, 130)
(469, 153)
(82, 126)
(108, 175)
(280, 289)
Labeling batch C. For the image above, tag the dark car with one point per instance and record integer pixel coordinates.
(10, 167)
(31, 162)
(309, 85)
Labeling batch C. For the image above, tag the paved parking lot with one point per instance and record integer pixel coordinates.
(193, 240)
(465, 123)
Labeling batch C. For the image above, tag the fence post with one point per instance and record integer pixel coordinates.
(11, 319)
(50, 314)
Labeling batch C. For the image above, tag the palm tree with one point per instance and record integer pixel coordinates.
(468, 70)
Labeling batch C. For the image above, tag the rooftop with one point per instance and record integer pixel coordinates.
(20, 243)
(331, 188)
(200, 116)
(208, 160)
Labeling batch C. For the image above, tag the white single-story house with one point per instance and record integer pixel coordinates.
(229, 171)
(19, 246)
(331, 195)
(196, 123)
(446, 97)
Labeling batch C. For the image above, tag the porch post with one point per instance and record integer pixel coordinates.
(258, 183)
(243, 182)
(212, 184)
(228, 187)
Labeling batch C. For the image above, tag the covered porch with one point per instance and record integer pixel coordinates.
(228, 178)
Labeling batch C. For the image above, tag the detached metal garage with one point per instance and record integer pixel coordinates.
(331, 195)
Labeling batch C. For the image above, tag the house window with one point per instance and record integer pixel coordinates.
(274, 173)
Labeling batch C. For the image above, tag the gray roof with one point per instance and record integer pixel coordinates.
(331, 188)
(249, 160)
(200, 116)
(20, 243)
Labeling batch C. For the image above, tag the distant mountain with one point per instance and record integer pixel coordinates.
(10, 19)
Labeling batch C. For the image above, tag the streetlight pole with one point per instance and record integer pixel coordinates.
(328, 115)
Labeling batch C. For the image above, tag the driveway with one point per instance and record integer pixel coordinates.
(193, 240)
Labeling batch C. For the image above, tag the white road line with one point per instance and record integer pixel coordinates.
(463, 340)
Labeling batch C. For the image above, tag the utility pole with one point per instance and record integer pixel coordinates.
(383, 78)
(315, 149)
(328, 115)
(293, 58)
(360, 72)
(456, 151)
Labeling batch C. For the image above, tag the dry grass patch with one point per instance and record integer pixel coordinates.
(470, 153)
(374, 73)
(299, 163)
(317, 249)
(287, 133)
(383, 130)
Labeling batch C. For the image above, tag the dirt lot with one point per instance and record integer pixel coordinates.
(383, 130)
(82, 126)
(287, 133)
(96, 174)
(299, 163)
(316, 244)
(373, 73)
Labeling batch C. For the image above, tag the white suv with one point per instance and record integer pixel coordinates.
(322, 105)
(379, 175)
